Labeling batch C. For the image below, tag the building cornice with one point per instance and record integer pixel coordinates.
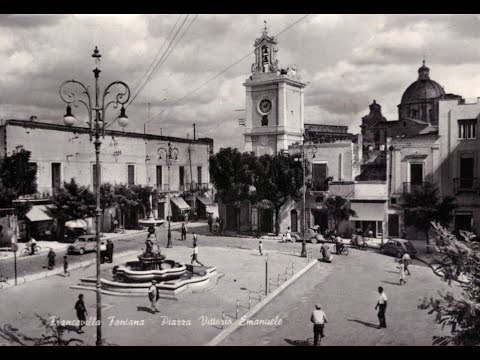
(116, 133)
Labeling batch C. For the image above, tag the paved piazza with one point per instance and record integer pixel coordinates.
(346, 288)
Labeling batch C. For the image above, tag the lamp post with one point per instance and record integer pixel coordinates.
(171, 155)
(266, 274)
(72, 91)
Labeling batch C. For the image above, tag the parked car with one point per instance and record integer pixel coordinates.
(82, 245)
(398, 247)
(310, 235)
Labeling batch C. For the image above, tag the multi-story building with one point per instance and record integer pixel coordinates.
(61, 153)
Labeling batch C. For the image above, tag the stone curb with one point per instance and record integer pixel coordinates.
(59, 270)
(224, 333)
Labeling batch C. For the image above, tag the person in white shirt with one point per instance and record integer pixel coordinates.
(401, 266)
(33, 244)
(289, 235)
(103, 252)
(153, 296)
(406, 261)
(318, 319)
(381, 306)
(195, 255)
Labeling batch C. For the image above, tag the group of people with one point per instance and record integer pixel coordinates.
(218, 224)
(106, 251)
(319, 319)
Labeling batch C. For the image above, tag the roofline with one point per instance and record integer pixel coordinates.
(85, 130)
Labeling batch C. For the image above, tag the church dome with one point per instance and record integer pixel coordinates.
(422, 89)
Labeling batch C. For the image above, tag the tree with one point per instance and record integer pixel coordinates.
(278, 178)
(125, 198)
(459, 261)
(338, 210)
(423, 205)
(142, 194)
(73, 202)
(17, 178)
(107, 197)
(232, 174)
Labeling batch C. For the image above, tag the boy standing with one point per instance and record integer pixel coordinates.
(260, 247)
(65, 266)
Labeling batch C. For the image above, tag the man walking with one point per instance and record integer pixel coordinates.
(381, 306)
(103, 252)
(406, 261)
(65, 266)
(195, 255)
(401, 267)
(210, 223)
(81, 313)
(184, 232)
(33, 244)
(110, 250)
(51, 259)
(260, 247)
(318, 319)
(153, 295)
(195, 238)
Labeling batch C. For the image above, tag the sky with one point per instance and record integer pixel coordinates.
(347, 61)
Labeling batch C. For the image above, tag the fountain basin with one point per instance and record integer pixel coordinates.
(134, 271)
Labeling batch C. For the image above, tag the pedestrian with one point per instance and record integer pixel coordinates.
(325, 252)
(184, 232)
(186, 218)
(289, 235)
(319, 319)
(65, 266)
(51, 259)
(406, 261)
(110, 250)
(381, 306)
(103, 252)
(220, 223)
(260, 247)
(195, 238)
(195, 255)
(81, 313)
(210, 223)
(401, 266)
(33, 244)
(153, 295)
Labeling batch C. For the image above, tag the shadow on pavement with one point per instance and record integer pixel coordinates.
(145, 309)
(307, 342)
(391, 283)
(365, 323)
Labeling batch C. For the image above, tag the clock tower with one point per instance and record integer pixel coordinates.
(274, 102)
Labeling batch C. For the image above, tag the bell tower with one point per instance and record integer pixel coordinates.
(274, 101)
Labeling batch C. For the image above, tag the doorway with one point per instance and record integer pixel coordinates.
(393, 225)
(466, 172)
(320, 218)
(266, 220)
(294, 221)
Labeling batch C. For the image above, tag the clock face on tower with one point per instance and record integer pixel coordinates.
(265, 106)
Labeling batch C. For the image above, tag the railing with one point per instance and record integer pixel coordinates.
(196, 187)
(409, 187)
(466, 185)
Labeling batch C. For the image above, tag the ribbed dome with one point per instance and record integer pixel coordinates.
(423, 88)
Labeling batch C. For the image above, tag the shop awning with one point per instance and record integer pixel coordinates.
(205, 200)
(76, 224)
(368, 211)
(180, 203)
(39, 213)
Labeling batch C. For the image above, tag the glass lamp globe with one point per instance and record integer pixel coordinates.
(68, 118)
(123, 118)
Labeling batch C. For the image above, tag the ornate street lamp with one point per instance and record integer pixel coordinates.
(171, 155)
(74, 92)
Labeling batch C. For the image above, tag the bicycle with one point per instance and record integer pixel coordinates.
(28, 250)
(354, 243)
(343, 250)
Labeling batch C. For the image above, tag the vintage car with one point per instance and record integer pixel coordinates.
(83, 244)
(398, 247)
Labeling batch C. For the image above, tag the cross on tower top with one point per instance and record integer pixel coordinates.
(265, 28)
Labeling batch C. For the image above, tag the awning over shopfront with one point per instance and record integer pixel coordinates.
(205, 200)
(76, 224)
(368, 211)
(180, 203)
(39, 213)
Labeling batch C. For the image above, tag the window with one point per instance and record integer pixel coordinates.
(319, 175)
(56, 177)
(413, 113)
(94, 177)
(416, 173)
(467, 129)
(182, 175)
(131, 175)
(464, 221)
(159, 175)
(199, 175)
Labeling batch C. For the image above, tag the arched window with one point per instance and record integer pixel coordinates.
(413, 113)
(264, 54)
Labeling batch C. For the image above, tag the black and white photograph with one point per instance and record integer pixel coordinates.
(249, 180)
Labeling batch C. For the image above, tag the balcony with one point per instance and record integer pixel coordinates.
(466, 185)
(196, 187)
(409, 187)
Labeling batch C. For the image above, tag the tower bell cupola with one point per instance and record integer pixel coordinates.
(265, 53)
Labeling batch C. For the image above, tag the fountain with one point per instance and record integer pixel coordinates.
(151, 221)
(133, 278)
